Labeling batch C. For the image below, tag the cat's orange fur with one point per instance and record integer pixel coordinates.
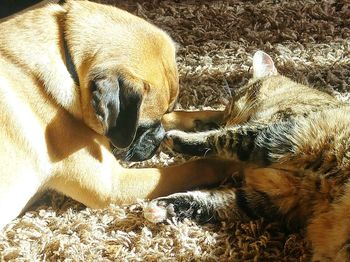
(290, 145)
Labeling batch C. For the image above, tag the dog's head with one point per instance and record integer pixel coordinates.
(127, 73)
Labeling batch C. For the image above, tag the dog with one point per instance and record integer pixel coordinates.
(77, 82)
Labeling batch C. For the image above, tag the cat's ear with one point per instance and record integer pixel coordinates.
(263, 65)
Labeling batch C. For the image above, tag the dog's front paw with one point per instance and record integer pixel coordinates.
(180, 206)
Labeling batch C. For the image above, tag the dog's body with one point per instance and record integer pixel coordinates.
(56, 133)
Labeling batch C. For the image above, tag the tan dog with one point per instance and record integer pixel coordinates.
(73, 80)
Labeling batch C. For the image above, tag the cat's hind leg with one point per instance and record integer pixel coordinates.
(202, 206)
(329, 229)
(261, 192)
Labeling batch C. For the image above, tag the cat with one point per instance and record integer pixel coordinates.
(290, 147)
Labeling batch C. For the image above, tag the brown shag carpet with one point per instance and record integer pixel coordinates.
(310, 42)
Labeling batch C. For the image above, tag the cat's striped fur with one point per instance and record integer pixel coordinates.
(291, 149)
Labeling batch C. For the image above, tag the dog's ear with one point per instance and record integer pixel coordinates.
(117, 105)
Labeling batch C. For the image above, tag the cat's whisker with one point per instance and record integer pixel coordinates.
(207, 151)
(227, 88)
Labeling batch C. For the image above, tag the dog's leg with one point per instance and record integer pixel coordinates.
(99, 185)
(193, 120)
(190, 175)
(16, 190)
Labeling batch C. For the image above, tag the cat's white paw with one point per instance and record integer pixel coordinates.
(190, 205)
(155, 213)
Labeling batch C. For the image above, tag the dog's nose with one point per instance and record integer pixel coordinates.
(146, 143)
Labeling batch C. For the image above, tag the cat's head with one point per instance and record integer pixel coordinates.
(243, 103)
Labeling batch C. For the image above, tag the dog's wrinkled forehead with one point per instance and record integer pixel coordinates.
(106, 34)
(126, 67)
(115, 40)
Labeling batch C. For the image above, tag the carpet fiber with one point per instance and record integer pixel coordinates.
(309, 41)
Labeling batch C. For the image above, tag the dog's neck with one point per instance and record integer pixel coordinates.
(69, 62)
(40, 51)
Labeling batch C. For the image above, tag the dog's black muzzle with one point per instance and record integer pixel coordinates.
(146, 142)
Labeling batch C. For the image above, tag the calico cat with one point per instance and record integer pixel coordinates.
(290, 147)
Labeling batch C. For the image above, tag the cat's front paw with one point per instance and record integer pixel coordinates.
(180, 206)
(174, 138)
(194, 144)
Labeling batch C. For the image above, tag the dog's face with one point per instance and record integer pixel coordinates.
(127, 73)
